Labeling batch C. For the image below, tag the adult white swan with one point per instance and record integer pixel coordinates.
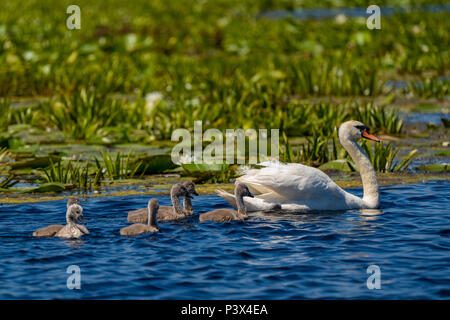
(301, 188)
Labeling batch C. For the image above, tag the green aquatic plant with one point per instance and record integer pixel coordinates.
(319, 149)
(8, 182)
(384, 157)
(4, 156)
(209, 173)
(286, 153)
(5, 112)
(120, 167)
(4, 153)
(213, 43)
(71, 172)
(378, 118)
(325, 117)
(332, 77)
(315, 151)
(81, 115)
(429, 88)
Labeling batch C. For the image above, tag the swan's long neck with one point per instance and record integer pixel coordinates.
(241, 209)
(69, 219)
(369, 178)
(187, 204)
(176, 202)
(152, 220)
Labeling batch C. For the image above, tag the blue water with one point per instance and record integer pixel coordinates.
(268, 257)
(323, 13)
(424, 117)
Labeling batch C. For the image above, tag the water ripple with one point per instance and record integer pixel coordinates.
(270, 256)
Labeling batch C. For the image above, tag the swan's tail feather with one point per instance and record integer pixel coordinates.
(254, 187)
(245, 169)
(230, 198)
(253, 204)
(262, 191)
(271, 163)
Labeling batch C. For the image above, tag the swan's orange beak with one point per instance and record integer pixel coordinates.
(368, 136)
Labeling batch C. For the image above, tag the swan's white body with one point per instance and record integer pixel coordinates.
(297, 187)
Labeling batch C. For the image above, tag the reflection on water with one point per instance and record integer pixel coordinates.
(75, 243)
(370, 214)
(270, 256)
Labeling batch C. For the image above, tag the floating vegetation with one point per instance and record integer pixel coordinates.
(156, 164)
(134, 78)
(92, 173)
(435, 167)
(210, 173)
(35, 162)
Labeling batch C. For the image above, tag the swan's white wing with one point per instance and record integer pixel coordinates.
(292, 181)
(295, 187)
(252, 204)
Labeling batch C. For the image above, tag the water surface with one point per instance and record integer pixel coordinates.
(323, 13)
(270, 256)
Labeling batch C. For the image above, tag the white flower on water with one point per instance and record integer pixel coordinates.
(341, 18)
(151, 101)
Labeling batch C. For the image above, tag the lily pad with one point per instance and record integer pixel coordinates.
(193, 167)
(47, 187)
(156, 164)
(435, 167)
(50, 187)
(38, 162)
(443, 153)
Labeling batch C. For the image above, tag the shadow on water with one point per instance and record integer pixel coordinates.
(270, 256)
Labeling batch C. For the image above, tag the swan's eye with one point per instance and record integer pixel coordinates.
(362, 129)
